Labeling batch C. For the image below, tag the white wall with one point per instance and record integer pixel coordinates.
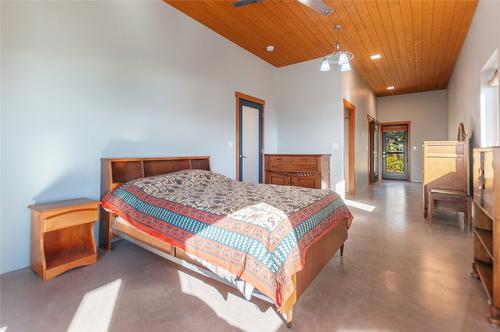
(464, 87)
(310, 116)
(85, 80)
(428, 113)
(357, 92)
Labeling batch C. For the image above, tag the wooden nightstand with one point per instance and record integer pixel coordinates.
(62, 236)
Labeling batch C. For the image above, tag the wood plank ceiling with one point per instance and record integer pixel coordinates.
(419, 40)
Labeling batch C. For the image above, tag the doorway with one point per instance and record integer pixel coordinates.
(395, 153)
(349, 147)
(249, 138)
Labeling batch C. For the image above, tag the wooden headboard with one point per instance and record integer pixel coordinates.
(117, 171)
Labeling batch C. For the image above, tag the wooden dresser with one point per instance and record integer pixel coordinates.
(301, 170)
(486, 266)
(445, 166)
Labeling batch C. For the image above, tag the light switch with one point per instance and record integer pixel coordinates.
(335, 146)
(230, 144)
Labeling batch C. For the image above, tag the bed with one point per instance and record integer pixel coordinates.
(267, 241)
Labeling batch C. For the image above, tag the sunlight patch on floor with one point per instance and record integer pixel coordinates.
(359, 205)
(235, 310)
(3, 329)
(96, 309)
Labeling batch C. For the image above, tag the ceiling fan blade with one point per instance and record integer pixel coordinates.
(241, 3)
(317, 5)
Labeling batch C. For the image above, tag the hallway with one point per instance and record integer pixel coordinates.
(397, 274)
(419, 274)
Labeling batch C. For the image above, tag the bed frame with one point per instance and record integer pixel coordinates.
(117, 171)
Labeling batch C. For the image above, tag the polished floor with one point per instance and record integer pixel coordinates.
(397, 274)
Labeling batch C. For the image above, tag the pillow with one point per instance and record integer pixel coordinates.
(189, 177)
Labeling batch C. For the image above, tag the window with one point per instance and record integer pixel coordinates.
(490, 117)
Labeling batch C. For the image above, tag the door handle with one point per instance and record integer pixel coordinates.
(242, 156)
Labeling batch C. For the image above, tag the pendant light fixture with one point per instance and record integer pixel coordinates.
(338, 57)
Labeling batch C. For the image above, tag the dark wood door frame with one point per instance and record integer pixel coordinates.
(352, 146)
(372, 122)
(395, 123)
(239, 96)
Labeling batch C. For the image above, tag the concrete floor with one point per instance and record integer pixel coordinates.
(397, 274)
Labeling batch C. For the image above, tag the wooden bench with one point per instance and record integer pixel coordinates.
(450, 199)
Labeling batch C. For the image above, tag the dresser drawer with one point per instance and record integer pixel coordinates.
(296, 167)
(69, 219)
(305, 159)
(444, 149)
(279, 158)
(278, 178)
(293, 167)
(278, 166)
(312, 181)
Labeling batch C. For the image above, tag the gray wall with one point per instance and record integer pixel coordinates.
(311, 115)
(357, 92)
(428, 113)
(465, 83)
(85, 80)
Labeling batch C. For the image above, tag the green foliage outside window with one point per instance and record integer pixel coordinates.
(395, 142)
(395, 163)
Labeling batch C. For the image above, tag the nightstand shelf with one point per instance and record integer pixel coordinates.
(55, 261)
(62, 236)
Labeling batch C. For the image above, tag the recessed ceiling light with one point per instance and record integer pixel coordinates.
(270, 48)
(390, 88)
(375, 56)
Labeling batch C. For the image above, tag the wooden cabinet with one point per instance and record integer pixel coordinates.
(304, 170)
(486, 266)
(444, 167)
(62, 236)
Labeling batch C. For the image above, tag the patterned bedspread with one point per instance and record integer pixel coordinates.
(258, 232)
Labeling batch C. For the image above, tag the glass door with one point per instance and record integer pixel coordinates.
(395, 152)
(250, 141)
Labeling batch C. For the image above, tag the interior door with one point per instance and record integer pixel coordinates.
(250, 142)
(395, 152)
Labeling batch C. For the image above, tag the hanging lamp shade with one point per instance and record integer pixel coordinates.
(345, 67)
(343, 59)
(325, 65)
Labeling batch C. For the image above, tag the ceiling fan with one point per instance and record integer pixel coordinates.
(317, 5)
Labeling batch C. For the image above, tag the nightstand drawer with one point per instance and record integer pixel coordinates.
(69, 219)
